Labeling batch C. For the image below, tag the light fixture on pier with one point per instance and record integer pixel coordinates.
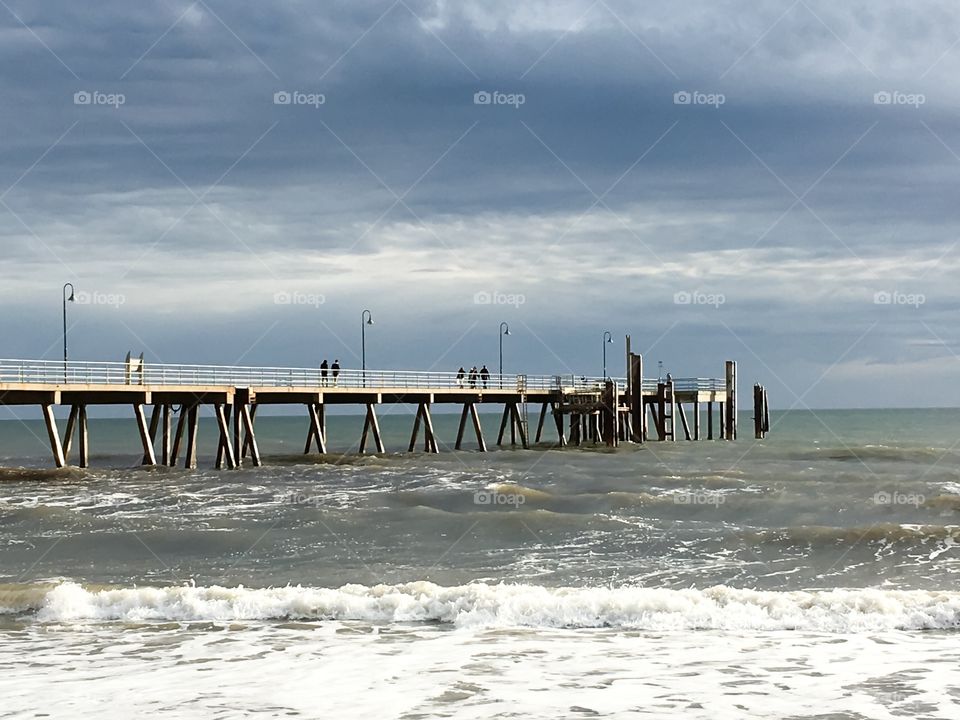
(607, 338)
(72, 298)
(504, 330)
(366, 318)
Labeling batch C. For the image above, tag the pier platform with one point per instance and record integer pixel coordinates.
(580, 409)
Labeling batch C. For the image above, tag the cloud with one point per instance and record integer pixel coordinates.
(598, 198)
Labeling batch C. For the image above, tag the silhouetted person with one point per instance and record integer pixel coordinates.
(473, 377)
(323, 370)
(461, 373)
(485, 376)
(336, 370)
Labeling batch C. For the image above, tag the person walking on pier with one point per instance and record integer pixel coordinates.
(485, 376)
(461, 373)
(323, 371)
(336, 371)
(473, 377)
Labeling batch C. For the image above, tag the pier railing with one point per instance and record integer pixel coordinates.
(74, 372)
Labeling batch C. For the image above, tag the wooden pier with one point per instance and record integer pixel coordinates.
(570, 410)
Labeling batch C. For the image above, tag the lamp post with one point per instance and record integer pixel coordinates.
(607, 338)
(504, 330)
(366, 318)
(72, 298)
(659, 370)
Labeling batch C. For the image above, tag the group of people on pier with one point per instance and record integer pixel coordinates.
(326, 368)
(473, 377)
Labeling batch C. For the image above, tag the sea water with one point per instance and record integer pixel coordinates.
(809, 575)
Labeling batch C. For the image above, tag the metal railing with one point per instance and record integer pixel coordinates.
(75, 372)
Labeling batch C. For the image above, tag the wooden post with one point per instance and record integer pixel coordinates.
(193, 422)
(722, 412)
(463, 425)
(517, 422)
(429, 437)
(165, 438)
(731, 377)
(558, 421)
(696, 418)
(54, 434)
(371, 426)
(68, 435)
(178, 436)
(416, 429)
(543, 416)
(637, 409)
(239, 405)
(710, 420)
(225, 452)
(250, 438)
(611, 419)
(761, 412)
(503, 423)
(149, 456)
(84, 438)
(477, 428)
(317, 431)
(683, 421)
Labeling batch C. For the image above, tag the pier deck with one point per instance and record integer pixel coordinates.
(584, 409)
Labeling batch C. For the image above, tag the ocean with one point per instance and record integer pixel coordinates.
(812, 574)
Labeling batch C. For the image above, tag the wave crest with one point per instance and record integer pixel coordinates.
(480, 605)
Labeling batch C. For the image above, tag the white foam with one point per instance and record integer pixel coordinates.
(480, 605)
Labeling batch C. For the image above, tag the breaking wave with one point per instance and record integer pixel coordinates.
(480, 605)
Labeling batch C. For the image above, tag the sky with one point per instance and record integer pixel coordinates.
(235, 182)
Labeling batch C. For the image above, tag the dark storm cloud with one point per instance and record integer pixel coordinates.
(798, 198)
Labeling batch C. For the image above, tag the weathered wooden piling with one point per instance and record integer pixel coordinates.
(761, 412)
